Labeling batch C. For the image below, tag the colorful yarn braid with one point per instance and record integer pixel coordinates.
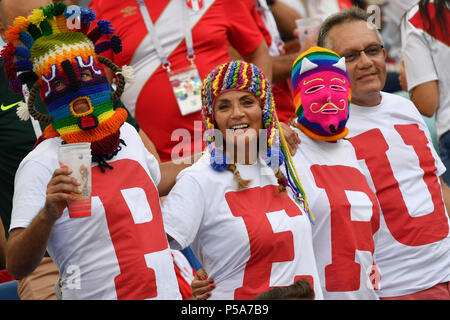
(240, 75)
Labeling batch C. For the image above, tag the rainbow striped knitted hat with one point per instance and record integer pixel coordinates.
(243, 76)
(58, 43)
(240, 75)
(43, 39)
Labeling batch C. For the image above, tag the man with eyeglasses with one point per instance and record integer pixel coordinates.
(394, 147)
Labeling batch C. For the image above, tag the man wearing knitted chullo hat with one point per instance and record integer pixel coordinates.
(120, 251)
(346, 209)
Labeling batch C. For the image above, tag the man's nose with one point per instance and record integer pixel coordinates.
(364, 60)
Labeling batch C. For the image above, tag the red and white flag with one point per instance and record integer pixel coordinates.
(195, 5)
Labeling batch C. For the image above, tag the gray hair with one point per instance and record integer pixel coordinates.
(344, 16)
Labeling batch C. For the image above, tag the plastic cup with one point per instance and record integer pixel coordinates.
(77, 156)
(307, 27)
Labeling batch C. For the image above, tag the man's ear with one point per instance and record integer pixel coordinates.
(3, 32)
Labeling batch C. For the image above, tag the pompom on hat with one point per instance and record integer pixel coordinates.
(243, 76)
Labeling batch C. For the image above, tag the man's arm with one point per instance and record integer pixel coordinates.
(26, 246)
(446, 195)
(282, 65)
(285, 17)
(426, 97)
(261, 58)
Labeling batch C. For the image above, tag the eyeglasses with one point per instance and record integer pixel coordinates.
(371, 51)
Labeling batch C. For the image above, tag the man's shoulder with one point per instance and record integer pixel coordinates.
(398, 105)
(390, 98)
(45, 149)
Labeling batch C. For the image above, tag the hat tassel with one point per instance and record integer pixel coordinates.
(128, 73)
(22, 111)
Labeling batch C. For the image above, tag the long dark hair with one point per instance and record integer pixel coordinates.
(440, 7)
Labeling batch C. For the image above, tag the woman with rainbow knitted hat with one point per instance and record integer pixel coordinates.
(347, 211)
(247, 223)
(120, 251)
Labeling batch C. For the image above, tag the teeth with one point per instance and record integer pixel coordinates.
(240, 126)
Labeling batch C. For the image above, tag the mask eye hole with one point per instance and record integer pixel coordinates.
(86, 75)
(314, 89)
(58, 85)
(337, 88)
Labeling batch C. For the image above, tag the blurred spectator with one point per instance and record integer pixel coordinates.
(152, 31)
(281, 62)
(391, 13)
(426, 54)
(314, 8)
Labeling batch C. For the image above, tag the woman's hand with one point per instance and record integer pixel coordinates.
(291, 137)
(202, 285)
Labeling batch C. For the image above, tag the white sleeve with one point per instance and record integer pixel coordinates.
(150, 160)
(423, 126)
(30, 186)
(419, 66)
(153, 166)
(183, 211)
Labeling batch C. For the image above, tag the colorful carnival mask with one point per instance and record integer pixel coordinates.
(321, 88)
(53, 50)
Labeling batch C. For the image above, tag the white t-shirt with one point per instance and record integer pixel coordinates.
(427, 59)
(347, 217)
(249, 240)
(397, 156)
(120, 251)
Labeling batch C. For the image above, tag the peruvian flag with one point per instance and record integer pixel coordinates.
(195, 5)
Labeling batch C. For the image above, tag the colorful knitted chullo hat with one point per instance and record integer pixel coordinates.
(243, 76)
(52, 51)
(321, 90)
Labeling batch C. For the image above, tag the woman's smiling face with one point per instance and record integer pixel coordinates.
(238, 117)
